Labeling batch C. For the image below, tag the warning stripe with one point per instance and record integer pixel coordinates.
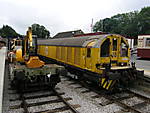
(107, 84)
(113, 83)
(103, 81)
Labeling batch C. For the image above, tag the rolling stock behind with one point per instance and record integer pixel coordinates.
(143, 48)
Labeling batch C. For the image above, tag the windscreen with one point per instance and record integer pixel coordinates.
(105, 47)
(123, 49)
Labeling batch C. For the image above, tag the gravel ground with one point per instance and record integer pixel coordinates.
(45, 107)
(132, 101)
(37, 94)
(17, 102)
(41, 99)
(141, 90)
(91, 105)
(88, 104)
(15, 111)
(146, 109)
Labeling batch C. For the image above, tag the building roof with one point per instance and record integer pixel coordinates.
(68, 34)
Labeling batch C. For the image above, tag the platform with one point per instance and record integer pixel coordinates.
(2, 68)
(146, 72)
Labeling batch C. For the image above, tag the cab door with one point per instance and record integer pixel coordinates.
(88, 58)
(105, 51)
(114, 50)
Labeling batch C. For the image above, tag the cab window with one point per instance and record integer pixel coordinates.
(114, 44)
(124, 49)
(88, 52)
(105, 48)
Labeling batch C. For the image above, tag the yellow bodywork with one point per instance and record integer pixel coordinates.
(19, 57)
(77, 56)
(30, 61)
(34, 62)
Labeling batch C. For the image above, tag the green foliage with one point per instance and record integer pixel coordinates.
(8, 32)
(40, 31)
(144, 21)
(98, 26)
(128, 24)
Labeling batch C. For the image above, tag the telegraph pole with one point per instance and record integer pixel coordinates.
(102, 26)
(92, 26)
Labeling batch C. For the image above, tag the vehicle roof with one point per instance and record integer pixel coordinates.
(82, 41)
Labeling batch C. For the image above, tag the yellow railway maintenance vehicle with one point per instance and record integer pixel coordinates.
(14, 48)
(28, 70)
(100, 58)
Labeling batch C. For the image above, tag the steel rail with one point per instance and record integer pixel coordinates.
(65, 102)
(111, 97)
(146, 99)
(25, 105)
(117, 101)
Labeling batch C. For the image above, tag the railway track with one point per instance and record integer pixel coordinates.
(26, 105)
(120, 100)
(38, 100)
(128, 100)
(44, 100)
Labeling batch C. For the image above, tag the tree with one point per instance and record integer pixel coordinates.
(40, 31)
(98, 26)
(130, 27)
(8, 32)
(128, 24)
(144, 21)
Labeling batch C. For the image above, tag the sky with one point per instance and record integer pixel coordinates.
(62, 15)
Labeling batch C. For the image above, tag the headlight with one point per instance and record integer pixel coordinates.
(122, 64)
(49, 75)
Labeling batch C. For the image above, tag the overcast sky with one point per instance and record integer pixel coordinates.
(62, 15)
